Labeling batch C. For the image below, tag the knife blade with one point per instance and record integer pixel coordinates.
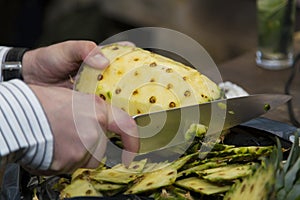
(165, 129)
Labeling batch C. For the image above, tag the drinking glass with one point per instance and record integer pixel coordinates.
(275, 20)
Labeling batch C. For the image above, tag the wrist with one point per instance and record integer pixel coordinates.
(27, 65)
(12, 64)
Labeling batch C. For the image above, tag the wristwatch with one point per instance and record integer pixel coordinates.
(12, 65)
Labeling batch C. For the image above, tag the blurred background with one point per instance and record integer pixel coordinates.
(226, 29)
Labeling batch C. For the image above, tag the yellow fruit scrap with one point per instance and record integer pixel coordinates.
(202, 186)
(154, 180)
(79, 187)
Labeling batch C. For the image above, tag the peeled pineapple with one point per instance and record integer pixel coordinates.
(139, 81)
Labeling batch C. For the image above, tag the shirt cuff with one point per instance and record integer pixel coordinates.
(3, 52)
(24, 128)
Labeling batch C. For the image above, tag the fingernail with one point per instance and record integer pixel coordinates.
(98, 61)
(126, 43)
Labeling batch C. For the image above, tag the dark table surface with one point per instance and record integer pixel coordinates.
(244, 72)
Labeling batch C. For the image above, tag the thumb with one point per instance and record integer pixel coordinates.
(96, 59)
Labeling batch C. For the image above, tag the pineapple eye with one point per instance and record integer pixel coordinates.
(88, 192)
(243, 188)
(135, 167)
(99, 77)
(204, 96)
(187, 93)
(153, 64)
(135, 92)
(115, 48)
(172, 105)
(169, 70)
(148, 184)
(118, 91)
(80, 176)
(102, 96)
(136, 59)
(86, 173)
(152, 80)
(152, 99)
(184, 78)
(170, 173)
(169, 86)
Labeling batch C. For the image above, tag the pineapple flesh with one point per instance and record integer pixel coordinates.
(139, 81)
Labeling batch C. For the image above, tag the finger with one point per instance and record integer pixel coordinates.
(86, 51)
(124, 125)
(98, 154)
(126, 43)
(97, 60)
(128, 157)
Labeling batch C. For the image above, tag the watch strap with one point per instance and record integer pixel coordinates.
(12, 66)
(15, 54)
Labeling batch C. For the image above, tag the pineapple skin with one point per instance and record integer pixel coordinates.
(275, 179)
(257, 186)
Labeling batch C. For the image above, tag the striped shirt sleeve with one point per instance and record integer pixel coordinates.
(25, 134)
(3, 52)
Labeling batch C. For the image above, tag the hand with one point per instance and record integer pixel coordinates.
(56, 64)
(75, 119)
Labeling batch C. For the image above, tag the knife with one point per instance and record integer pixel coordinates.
(165, 129)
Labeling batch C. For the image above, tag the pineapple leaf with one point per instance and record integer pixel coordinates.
(292, 175)
(276, 159)
(281, 194)
(287, 176)
(294, 193)
(279, 180)
(294, 153)
(278, 155)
